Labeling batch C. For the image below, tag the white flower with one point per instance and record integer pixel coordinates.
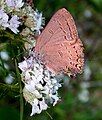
(37, 94)
(3, 19)
(87, 13)
(46, 90)
(30, 22)
(34, 21)
(55, 99)
(87, 72)
(28, 75)
(9, 79)
(84, 85)
(23, 66)
(14, 24)
(25, 32)
(84, 95)
(2, 4)
(39, 21)
(6, 66)
(4, 55)
(30, 86)
(43, 105)
(38, 106)
(26, 10)
(41, 85)
(35, 107)
(15, 4)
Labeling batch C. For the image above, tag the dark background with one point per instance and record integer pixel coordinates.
(81, 98)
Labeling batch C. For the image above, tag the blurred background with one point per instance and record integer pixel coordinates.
(81, 98)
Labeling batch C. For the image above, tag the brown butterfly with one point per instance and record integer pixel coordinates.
(59, 47)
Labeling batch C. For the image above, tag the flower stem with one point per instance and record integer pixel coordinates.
(20, 85)
(49, 115)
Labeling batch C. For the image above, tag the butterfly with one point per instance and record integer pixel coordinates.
(59, 46)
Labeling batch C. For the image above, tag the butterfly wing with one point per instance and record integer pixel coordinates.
(59, 46)
(61, 21)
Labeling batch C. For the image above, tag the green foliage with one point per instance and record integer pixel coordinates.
(70, 107)
(97, 4)
(7, 112)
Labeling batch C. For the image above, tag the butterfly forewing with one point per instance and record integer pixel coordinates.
(59, 47)
(61, 23)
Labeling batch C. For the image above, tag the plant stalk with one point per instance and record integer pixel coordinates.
(20, 85)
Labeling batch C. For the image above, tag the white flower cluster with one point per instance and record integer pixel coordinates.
(33, 24)
(10, 21)
(41, 85)
(15, 13)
